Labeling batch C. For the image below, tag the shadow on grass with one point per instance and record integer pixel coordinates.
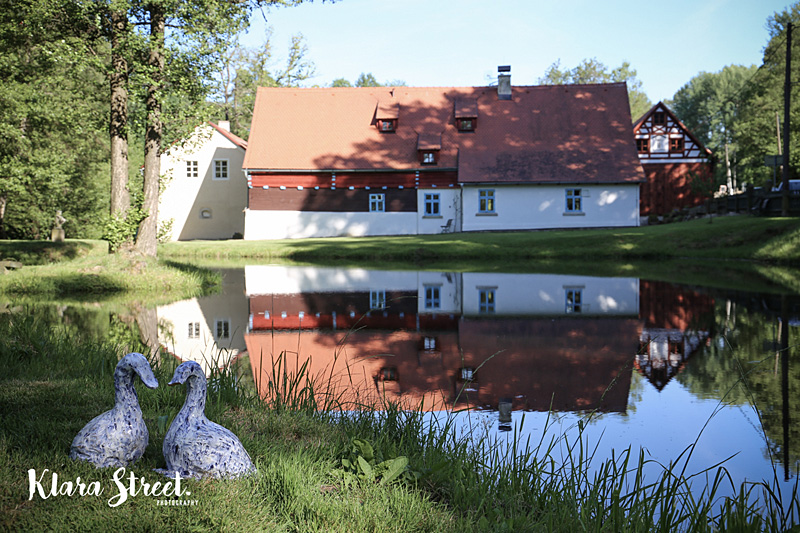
(43, 252)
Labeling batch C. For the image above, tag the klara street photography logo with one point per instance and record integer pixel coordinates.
(169, 493)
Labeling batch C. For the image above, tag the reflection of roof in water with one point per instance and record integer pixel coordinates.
(562, 364)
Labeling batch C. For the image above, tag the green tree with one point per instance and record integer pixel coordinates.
(341, 82)
(762, 100)
(594, 71)
(51, 118)
(709, 105)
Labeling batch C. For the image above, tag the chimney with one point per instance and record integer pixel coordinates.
(225, 125)
(504, 82)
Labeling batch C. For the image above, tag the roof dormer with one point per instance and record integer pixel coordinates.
(466, 113)
(428, 147)
(386, 116)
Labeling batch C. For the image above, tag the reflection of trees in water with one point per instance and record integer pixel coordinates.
(743, 365)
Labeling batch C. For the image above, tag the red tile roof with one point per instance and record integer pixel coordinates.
(555, 134)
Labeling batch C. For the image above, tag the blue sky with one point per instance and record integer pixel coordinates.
(461, 42)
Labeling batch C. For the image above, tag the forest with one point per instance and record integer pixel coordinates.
(91, 93)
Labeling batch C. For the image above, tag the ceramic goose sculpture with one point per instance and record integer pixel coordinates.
(194, 445)
(118, 437)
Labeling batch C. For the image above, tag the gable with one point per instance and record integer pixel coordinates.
(660, 136)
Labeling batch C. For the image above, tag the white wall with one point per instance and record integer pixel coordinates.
(184, 198)
(261, 225)
(543, 206)
(449, 205)
(545, 294)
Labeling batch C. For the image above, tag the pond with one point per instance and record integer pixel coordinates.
(619, 362)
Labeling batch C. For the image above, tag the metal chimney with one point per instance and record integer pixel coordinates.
(504, 82)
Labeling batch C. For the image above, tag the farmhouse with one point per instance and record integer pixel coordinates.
(204, 188)
(672, 157)
(325, 162)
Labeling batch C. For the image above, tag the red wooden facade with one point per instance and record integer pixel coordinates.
(671, 157)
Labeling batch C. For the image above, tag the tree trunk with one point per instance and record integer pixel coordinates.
(146, 240)
(118, 129)
(3, 202)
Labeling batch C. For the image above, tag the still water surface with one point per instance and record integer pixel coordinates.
(637, 363)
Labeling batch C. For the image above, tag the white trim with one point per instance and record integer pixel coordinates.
(666, 159)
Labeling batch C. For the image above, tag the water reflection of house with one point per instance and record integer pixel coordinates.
(675, 326)
(445, 339)
(210, 329)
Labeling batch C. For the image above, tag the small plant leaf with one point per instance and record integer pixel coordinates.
(366, 469)
(394, 467)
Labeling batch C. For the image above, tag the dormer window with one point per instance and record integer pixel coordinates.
(466, 124)
(428, 146)
(386, 115)
(387, 125)
(466, 113)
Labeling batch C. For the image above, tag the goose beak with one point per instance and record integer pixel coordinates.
(139, 364)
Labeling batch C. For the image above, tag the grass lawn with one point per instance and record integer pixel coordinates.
(731, 237)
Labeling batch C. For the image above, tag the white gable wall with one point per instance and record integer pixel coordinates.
(203, 207)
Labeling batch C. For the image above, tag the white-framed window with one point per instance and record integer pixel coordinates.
(573, 201)
(433, 296)
(220, 169)
(429, 344)
(194, 330)
(377, 203)
(428, 157)
(222, 329)
(574, 300)
(486, 201)
(486, 300)
(432, 205)
(377, 299)
(192, 169)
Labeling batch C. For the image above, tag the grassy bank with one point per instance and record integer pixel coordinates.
(86, 268)
(773, 240)
(372, 471)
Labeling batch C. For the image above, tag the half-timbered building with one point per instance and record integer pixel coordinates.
(413, 160)
(671, 157)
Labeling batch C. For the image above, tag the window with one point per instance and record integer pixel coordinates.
(191, 169)
(220, 169)
(659, 117)
(377, 203)
(432, 205)
(676, 144)
(433, 296)
(486, 201)
(194, 330)
(574, 298)
(467, 373)
(642, 146)
(428, 157)
(486, 301)
(222, 329)
(574, 201)
(466, 124)
(429, 344)
(387, 125)
(377, 299)
(388, 373)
